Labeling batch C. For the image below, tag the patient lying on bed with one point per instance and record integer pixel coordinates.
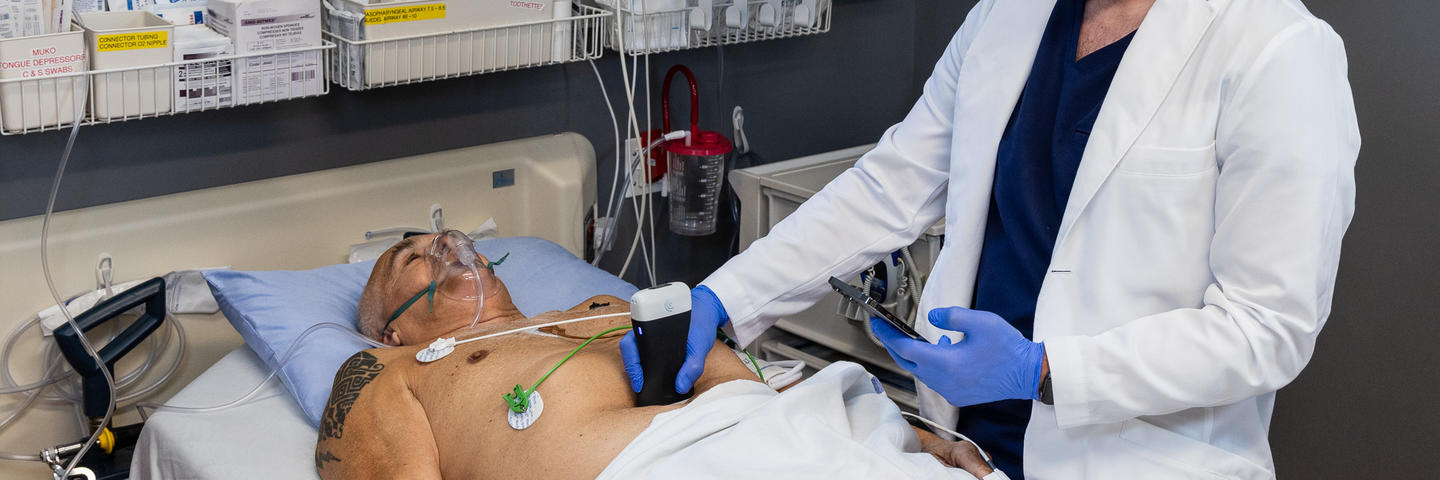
(390, 416)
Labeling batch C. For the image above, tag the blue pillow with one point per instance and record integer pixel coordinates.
(271, 309)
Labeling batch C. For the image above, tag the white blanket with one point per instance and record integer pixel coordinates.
(835, 425)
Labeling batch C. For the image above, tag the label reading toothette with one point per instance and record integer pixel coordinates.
(380, 16)
(115, 42)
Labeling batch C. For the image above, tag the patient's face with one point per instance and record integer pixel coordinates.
(408, 269)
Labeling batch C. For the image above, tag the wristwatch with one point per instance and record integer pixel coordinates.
(1047, 394)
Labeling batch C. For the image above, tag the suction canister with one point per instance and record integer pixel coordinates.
(661, 317)
(696, 165)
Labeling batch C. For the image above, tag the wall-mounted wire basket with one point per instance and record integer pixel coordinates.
(29, 105)
(361, 64)
(683, 24)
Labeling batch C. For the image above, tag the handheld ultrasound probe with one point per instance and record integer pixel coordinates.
(661, 320)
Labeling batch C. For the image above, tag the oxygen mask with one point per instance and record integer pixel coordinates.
(454, 274)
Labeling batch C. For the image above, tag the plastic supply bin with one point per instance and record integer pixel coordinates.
(402, 41)
(127, 42)
(42, 80)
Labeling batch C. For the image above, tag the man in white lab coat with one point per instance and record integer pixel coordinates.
(1186, 256)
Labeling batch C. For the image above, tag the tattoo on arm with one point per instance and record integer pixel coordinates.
(322, 457)
(357, 372)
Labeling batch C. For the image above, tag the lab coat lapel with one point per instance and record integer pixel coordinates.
(989, 85)
(1160, 50)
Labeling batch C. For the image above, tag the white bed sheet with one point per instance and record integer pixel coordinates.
(267, 437)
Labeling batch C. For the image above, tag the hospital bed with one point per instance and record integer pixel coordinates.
(542, 187)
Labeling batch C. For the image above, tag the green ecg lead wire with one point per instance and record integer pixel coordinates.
(519, 399)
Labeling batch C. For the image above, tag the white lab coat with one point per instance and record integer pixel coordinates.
(1196, 258)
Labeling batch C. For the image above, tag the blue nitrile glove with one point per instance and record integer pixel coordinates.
(994, 361)
(706, 316)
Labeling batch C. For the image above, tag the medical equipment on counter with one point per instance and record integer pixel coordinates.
(696, 165)
(661, 317)
(98, 386)
(865, 301)
(818, 335)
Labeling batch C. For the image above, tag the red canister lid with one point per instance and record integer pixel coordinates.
(706, 144)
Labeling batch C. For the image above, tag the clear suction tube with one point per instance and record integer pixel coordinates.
(284, 359)
(55, 293)
(125, 385)
(9, 386)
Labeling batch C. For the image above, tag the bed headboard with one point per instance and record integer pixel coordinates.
(539, 186)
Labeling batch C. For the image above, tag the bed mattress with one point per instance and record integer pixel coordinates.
(266, 437)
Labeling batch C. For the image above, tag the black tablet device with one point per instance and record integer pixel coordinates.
(855, 295)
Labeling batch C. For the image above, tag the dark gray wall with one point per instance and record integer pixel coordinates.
(1365, 404)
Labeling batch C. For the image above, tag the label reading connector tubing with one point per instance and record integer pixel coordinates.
(380, 16)
(115, 42)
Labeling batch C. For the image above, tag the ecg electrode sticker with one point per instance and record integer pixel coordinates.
(521, 421)
(438, 349)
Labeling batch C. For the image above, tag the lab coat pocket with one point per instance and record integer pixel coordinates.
(1193, 458)
(1168, 162)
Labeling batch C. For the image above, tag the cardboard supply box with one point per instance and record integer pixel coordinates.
(259, 26)
(531, 38)
(54, 87)
(124, 40)
(205, 79)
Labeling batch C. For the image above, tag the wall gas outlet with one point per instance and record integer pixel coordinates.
(637, 185)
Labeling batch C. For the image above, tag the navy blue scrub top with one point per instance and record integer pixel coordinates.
(1034, 170)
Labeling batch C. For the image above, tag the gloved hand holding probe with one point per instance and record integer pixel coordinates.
(706, 315)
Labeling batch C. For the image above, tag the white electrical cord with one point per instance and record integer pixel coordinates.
(617, 192)
(642, 209)
(675, 135)
(630, 170)
(638, 208)
(611, 200)
(956, 434)
(615, 179)
(654, 263)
